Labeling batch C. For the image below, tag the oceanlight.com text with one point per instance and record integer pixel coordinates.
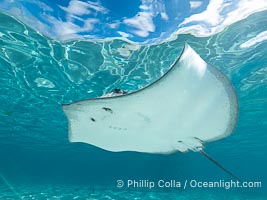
(224, 184)
(187, 184)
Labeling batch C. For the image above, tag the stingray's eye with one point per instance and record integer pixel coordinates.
(116, 90)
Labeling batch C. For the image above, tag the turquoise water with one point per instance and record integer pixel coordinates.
(38, 74)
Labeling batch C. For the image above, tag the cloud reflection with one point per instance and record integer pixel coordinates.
(144, 21)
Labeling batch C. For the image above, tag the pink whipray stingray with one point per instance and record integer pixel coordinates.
(191, 104)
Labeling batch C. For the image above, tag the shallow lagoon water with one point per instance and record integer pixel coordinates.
(38, 74)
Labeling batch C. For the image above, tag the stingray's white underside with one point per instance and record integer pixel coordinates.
(192, 103)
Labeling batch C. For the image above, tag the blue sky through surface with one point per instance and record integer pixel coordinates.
(39, 74)
(146, 21)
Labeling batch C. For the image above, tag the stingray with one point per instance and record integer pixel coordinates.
(191, 104)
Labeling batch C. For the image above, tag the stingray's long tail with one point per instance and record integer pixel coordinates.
(218, 164)
(10, 186)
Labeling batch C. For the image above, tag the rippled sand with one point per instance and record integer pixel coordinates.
(49, 192)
